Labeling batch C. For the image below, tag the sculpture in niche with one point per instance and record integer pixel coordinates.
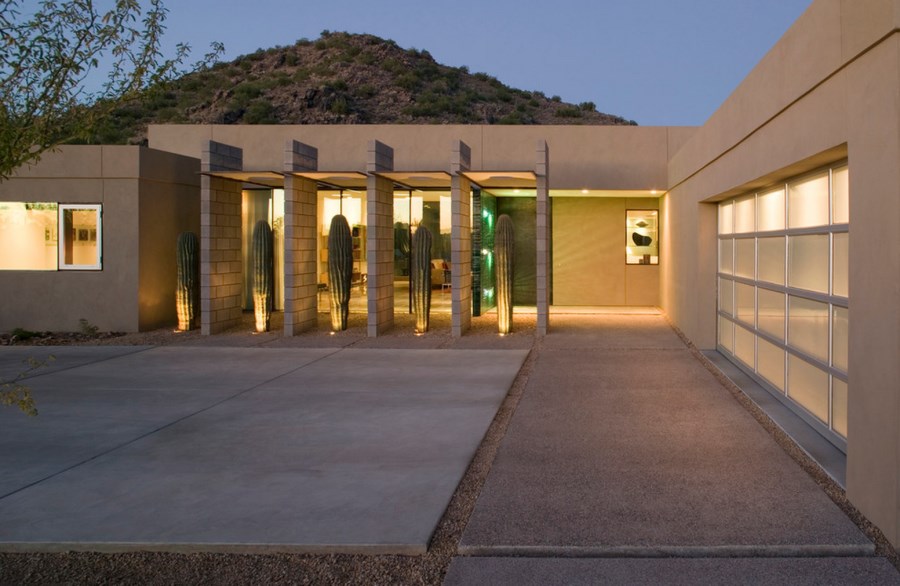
(641, 240)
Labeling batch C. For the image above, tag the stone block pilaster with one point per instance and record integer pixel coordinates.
(380, 239)
(300, 201)
(460, 240)
(543, 239)
(221, 267)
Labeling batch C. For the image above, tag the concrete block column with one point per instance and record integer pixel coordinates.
(543, 238)
(300, 201)
(220, 239)
(460, 240)
(380, 239)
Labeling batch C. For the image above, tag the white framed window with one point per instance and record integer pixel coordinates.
(80, 237)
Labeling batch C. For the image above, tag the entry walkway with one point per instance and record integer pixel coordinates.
(626, 461)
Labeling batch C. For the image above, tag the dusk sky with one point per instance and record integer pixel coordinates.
(659, 62)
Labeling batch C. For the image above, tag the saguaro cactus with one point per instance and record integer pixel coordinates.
(263, 275)
(340, 271)
(421, 278)
(504, 251)
(187, 287)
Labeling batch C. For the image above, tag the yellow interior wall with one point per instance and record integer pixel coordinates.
(589, 267)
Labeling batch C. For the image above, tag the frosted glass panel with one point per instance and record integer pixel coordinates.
(745, 346)
(840, 271)
(726, 216)
(771, 313)
(839, 331)
(770, 363)
(726, 256)
(726, 334)
(745, 214)
(770, 207)
(839, 406)
(808, 327)
(745, 303)
(745, 258)
(771, 260)
(840, 192)
(726, 296)
(808, 386)
(808, 262)
(808, 202)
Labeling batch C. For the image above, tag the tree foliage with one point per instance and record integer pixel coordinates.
(51, 52)
(14, 393)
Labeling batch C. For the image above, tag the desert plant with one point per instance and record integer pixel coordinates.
(187, 288)
(340, 271)
(504, 250)
(421, 278)
(263, 275)
(87, 328)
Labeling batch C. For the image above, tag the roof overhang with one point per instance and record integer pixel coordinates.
(419, 180)
(503, 179)
(627, 193)
(353, 180)
(271, 179)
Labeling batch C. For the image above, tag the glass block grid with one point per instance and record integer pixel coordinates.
(783, 298)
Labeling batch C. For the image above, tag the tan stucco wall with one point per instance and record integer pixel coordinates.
(829, 89)
(589, 267)
(594, 157)
(111, 298)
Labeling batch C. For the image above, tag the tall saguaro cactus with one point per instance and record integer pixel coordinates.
(187, 288)
(504, 251)
(421, 278)
(263, 275)
(340, 271)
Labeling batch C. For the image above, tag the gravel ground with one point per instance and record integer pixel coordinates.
(168, 568)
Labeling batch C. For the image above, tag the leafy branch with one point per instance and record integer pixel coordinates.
(49, 55)
(14, 393)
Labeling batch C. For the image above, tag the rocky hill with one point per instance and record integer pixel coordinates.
(341, 78)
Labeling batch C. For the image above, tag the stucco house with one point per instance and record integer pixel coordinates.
(739, 230)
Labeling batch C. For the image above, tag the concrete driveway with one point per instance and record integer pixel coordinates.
(242, 449)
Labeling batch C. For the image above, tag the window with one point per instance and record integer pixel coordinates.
(783, 292)
(642, 237)
(28, 236)
(79, 242)
(46, 236)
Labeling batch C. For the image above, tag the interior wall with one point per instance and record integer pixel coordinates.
(523, 213)
(589, 238)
